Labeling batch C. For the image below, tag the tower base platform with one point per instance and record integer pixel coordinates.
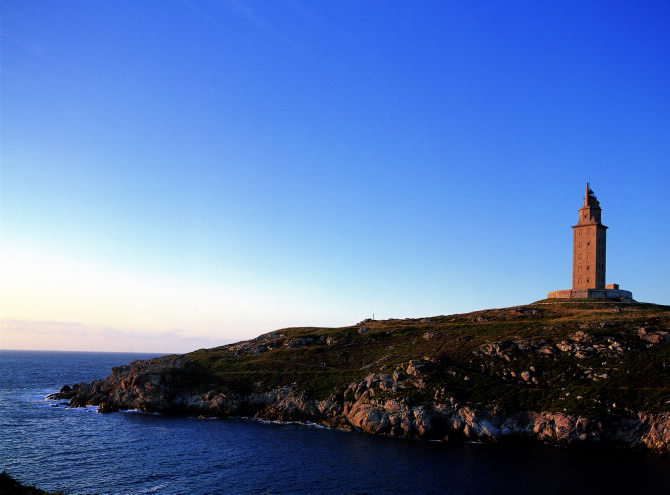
(623, 295)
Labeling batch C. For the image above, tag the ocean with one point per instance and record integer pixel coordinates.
(78, 451)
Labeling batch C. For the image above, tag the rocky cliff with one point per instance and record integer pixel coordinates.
(579, 373)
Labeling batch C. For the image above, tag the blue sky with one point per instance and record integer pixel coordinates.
(180, 174)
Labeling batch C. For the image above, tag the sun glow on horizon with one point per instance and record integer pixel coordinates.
(72, 298)
(61, 303)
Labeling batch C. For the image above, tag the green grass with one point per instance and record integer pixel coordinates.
(636, 380)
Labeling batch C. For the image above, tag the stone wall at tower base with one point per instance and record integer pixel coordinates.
(623, 295)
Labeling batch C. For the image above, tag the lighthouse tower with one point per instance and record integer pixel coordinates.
(589, 257)
(589, 245)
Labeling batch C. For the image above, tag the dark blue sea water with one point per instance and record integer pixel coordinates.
(80, 452)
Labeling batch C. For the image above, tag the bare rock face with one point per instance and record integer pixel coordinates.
(66, 392)
(372, 410)
(657, 437)
(582, 336)
(449, 421)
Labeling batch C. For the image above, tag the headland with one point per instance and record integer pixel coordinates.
(576, 373)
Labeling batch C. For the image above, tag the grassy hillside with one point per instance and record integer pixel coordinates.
(577, 357)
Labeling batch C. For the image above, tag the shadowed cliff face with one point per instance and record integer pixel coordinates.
(575, 373)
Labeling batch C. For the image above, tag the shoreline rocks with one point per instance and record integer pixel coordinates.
(131, 388)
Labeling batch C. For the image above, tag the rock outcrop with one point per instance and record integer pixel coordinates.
(138, 387)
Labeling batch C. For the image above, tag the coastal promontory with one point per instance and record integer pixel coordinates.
(577, 373)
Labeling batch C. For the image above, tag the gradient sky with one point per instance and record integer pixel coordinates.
(183, 174)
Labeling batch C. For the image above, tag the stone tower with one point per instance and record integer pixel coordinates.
(589, 246)
(588, 257)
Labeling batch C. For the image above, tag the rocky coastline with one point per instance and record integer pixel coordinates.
(455, 393)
